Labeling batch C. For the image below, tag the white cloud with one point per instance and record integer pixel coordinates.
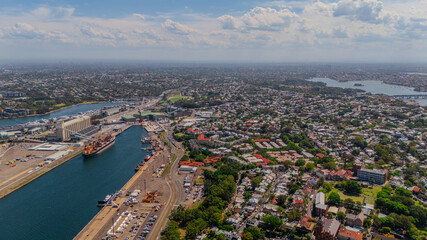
(361, 10)
(52, 12)
(27, 31)
(261, 19)
(177, 28)
(323, 25)
(96, 33)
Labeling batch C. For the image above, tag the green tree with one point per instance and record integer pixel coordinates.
(293, 215)
(171, 232)
(300, 162)
(360, 142)
(334, 199)
(353, 187)
(194, 227)
(271, 222)
(281, 200)
(341, 216)
(327, 186)
(247, 236)
(349, 203)
(255, 232)
(310, 166)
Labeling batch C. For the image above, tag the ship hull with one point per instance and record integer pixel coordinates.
(105, 147)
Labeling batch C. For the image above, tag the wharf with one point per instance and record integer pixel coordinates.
(30, 174)
(7, 188)
(97, 228)
(104, 216)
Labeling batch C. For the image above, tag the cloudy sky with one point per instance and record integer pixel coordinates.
(218, 31)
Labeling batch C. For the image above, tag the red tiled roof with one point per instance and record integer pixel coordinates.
(202, 137)
(307, 223)
(211, 160)
(350, 234)
(262, 140)
(188, 163)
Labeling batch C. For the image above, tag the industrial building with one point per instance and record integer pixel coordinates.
(110, 111)
(153, 116)
(64, 129)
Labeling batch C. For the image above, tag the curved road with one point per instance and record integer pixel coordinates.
(175, 187)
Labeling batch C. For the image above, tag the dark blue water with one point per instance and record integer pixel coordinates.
(60, 203)
(65, 112)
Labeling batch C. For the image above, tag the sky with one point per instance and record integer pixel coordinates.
(215, 31)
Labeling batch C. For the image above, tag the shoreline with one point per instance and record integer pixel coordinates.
(105, 211)
(30, 178)
(415, 89)
(56, 110)
(50, 167)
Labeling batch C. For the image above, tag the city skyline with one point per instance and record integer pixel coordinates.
(223, 31)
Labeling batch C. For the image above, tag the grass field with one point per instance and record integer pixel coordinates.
(59, 105)
(200, 181)
(169, 166)
(369, 194)
(195, 205)
(179, 134)
(177, 98)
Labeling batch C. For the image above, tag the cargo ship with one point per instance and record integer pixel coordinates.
(98, 146)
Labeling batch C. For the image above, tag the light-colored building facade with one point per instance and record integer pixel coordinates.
(375, 176)
(65, 129)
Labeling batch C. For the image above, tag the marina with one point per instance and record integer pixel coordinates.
(60, 203)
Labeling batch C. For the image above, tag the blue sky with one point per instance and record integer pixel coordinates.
(114, 8)
(218, 31)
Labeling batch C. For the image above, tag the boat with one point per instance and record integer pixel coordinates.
(98, 146)
(105, 201)
(358, 85)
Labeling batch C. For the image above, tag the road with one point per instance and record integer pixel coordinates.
(309, 209)
(175, 187)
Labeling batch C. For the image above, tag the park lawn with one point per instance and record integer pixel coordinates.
(177, 98)
(369, 194)
(59, 105)
(179, 134)
(195, 205)
(345, 196)
(200, 181)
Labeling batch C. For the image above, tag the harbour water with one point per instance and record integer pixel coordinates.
(374, 87)
(60, 203)
(64, 112)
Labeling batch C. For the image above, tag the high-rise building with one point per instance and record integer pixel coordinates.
(64, 129)
(375, 176)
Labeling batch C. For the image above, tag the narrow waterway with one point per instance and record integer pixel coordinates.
(374, 87)
(59, 204)
(64, 112)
